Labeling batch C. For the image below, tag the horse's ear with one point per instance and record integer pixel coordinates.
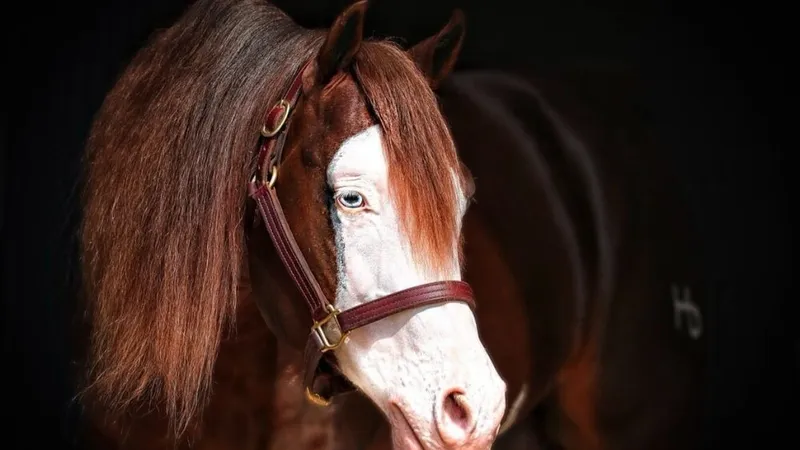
(342, 42)
(436, 56)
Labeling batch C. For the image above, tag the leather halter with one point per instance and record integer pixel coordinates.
(331, 326)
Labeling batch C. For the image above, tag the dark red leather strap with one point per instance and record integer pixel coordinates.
(415, 297)
(278, 228)
(331, 326)
(275, 124)
(269, 158)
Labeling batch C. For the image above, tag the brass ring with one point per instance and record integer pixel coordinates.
(286, 107)
(316, 399)
(273, 176)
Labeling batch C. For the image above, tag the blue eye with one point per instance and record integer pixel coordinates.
(350, 200)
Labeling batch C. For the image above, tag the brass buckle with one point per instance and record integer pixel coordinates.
(273, 176)
(330, 324)
(281, 120)
(316, 398)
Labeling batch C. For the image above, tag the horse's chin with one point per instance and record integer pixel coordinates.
(403, 435)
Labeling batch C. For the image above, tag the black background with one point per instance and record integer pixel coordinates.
(716, 79)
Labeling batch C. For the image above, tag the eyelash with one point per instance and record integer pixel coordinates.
(360, 200)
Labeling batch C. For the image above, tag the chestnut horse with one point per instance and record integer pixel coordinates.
(182, 272)
(352, 197)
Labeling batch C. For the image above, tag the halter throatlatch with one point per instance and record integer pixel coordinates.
(331, 326)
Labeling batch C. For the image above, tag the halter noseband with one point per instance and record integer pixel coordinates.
(331, 326)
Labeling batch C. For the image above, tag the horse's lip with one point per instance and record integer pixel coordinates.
(406, 425)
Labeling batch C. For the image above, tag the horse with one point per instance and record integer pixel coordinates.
(185, 286)
(318, 163)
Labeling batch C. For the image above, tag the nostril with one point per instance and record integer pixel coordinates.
(455, 420)
(455, 409)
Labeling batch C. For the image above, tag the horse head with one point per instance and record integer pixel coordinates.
(373, 192)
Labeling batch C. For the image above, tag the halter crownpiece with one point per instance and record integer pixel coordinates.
(331, 326)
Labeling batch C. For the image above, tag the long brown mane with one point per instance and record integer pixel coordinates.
(162, 236)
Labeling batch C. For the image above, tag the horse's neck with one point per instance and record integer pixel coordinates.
(504, 137)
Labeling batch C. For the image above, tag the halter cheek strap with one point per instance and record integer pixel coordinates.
(331, 326)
